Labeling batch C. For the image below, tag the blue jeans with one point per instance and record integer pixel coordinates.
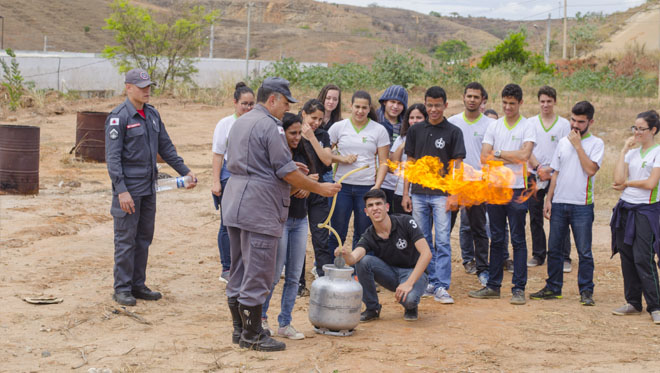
(498, 214)
(223, 238)
(429, 211)
(580, 218)
(372, 269)
(290, 251)
(349, 200)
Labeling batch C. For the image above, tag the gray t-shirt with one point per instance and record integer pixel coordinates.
(256, 198)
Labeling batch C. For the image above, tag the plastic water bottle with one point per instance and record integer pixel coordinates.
(173, 183)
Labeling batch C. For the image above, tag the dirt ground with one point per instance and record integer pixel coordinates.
(60, 243)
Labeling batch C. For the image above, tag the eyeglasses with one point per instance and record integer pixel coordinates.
(639, 129)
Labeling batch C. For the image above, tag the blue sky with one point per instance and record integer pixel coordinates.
(507, 9)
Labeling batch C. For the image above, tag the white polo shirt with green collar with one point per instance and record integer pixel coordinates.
(473, 135)
(640, 165)
(548, 136)
(573, 184)
(507, 137)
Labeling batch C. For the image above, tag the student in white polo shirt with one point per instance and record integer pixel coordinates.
(473, 236)
(361, 141)
(636, 217)
(509, 140)
(550, 128)
(570, 201)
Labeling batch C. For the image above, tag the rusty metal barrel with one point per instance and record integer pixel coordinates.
(90, 135)
(19, 159)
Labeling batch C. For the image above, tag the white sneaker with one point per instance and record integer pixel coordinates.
(442, 296)
(316, 275)
(290, 332)
(567, 266)
(224, 277)
(430, 290)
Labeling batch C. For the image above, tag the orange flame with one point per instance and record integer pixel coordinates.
(466, 186)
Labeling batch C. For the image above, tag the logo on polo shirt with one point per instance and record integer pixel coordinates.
(514, 138)
(440, 143)
(553, 138)
(476, 133)
(644, 164)
(364, 139)
(401, 244)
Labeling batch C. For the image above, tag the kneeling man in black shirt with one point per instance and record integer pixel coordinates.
(397, 260)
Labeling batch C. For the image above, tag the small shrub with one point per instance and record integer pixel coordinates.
(13, 80)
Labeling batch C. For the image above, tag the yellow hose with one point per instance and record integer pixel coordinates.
(332, 208)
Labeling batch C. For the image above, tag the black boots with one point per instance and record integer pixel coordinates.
(235, 320)
(254, 336)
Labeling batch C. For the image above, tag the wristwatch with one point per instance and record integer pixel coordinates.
(498, 153)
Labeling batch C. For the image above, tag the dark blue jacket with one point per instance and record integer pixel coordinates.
(132, 144)
(650, 211)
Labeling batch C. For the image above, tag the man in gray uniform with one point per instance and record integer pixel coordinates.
(255, 207)
(134, 136)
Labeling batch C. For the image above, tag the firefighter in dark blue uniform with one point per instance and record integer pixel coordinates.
(134, 136)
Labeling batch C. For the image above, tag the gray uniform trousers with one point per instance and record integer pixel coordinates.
(133, 235)
(253, 259)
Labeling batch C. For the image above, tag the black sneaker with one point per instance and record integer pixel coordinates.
(410, 314)
(587, 298)
(369, 315)
(545, 293)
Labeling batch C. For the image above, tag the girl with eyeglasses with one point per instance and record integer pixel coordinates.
(636, 217)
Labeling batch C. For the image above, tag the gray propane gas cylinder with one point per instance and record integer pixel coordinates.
(335, 301)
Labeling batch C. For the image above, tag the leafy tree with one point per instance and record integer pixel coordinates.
(433, 13)
(13, 80)
(165, 50)
(510, 49)
(452, 51)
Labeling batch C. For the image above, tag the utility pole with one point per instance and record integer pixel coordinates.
(547, 42)
(563, 53)
(211, 43)
(247, 44)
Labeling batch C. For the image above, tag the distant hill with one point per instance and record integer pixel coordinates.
(642, 29)
(306, 30)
